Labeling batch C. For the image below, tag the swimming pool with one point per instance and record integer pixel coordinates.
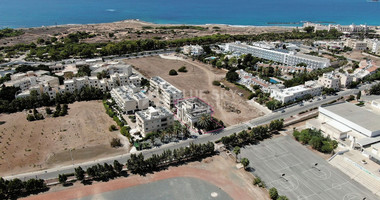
(273, 81)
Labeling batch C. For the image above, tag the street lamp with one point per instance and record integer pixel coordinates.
(282, 176)
(315, 166)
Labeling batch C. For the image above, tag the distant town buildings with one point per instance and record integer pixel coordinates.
(153, 119)
(341, 28)
(190, 110)
(293, 93)
(267, 52)
(167, 93)
(48, 84)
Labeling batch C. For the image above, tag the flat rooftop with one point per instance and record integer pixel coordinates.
(356, 114)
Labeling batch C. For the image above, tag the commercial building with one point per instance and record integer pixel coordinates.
(329, 80)
(290, 58)
(190, 110)
(167, 93)
(293, 93)
(129, 99)
(153, 119)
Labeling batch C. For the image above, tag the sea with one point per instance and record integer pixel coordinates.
(37, 13)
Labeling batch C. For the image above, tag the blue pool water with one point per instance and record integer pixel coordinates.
(32, 13)
(273, 81)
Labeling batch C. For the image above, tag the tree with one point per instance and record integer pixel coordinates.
(15, 187)
(273, 193)
(358, 95)
(232, 76)
(115, 142)
(172, 72)
(236, 152)
(276, 125)
(182, 69)
(245, 162)
(117, 166)
(282, 198)
(62, 178)
(375, 89)
(204, 121)
(316, 143)
(309, 29)
(79, 173)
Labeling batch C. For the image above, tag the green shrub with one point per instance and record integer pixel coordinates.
(182, 69)
(172, 72)
(216, 83)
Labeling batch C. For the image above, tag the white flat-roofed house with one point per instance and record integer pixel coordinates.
(194, 50)
(357, 44)
(296, 92)
(153, 119)
(190, 110)
(366, 68)
(111, 68)
(167, 93)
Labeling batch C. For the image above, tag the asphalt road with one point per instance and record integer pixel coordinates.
(291, 111)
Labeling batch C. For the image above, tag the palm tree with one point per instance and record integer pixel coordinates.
(205, 121)
(177, 128)
(237, 152)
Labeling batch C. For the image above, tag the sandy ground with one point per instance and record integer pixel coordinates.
(29, 146)
(218, 170)
(133, 29)
(198, 82)
(359, 55)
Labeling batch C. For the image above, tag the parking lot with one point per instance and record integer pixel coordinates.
(298, 173)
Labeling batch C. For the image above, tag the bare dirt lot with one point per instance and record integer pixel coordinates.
(133, 29)
(217, 170)
(228, 105)
(29, 146)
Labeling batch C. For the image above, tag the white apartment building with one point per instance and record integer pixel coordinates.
(296, 92)
(373, 45)
(27, 82)
(288, 58)
(190, 110)
(356, 44)
(153, 119)
(111, 68)
(129, 99)
(329, 80)
(166, 92)
(247, 79)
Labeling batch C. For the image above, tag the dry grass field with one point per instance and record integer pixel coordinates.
(228, 105)
(29, 146)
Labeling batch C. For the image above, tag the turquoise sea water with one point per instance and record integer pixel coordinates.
(32, 13)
